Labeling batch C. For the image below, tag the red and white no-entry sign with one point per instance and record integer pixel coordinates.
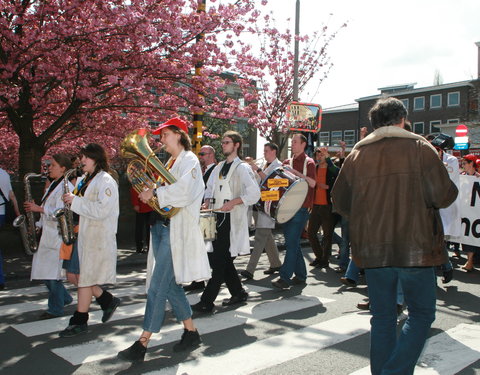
(461, 131)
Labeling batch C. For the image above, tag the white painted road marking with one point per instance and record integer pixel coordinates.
(446, 353)
(253, 311)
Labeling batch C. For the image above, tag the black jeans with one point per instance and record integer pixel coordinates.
(221, 261)
(142, 230)
(321, 215)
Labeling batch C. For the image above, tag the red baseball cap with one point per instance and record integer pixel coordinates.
(470, 157)
(176, 121)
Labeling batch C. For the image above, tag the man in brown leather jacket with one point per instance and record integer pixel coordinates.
(390, 188)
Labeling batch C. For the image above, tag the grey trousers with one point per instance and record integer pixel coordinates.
(264, 240)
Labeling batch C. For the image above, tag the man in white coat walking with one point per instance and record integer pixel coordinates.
(232, 188)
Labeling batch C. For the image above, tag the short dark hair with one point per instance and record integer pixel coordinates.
(272, 146)
(386, 112)
(236, 138)
(63, 160)
(96, 152)
(302, 137)
(184, 138)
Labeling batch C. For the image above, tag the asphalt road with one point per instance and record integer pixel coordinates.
(315, 329)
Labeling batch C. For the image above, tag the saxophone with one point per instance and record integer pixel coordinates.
(64, 215)
(26, 223)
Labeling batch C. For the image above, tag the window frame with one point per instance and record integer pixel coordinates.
(449, 96)
(408, 102)
(414, 103)
(349, 133)
(418, 123)
(431, 99)
(332, 137)
(437, 122)
(325, 134)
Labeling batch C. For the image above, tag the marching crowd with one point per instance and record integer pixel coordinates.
(394, 197)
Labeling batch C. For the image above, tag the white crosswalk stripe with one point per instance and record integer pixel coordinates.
(446, 353)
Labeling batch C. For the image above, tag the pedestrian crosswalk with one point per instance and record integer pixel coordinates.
(282, 336)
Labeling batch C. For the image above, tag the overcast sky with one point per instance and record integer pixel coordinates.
(388, 43)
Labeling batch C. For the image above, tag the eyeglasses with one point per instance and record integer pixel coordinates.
(202, 153)
(226, 142)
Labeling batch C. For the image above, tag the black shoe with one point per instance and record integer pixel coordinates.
(239, 298)
(363, 305)
(314, 262)
(202, 307)
(190, 340)
(247, 275)
(340, 270)
(447, 276)
(348, 282)
(108, 312)
(135, 353)
(399, 309)
(297, 281)
(73, 330)
(322, 265)
(2, 286)
(271, 270)
(280, 284)
(196, 285)
(46, 315)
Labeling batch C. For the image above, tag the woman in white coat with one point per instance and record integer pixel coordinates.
(177, 243)
(94, 257)
(46, 264)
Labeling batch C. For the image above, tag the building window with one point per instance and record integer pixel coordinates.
(453, 99)
(336, 138)
(453, 121)
(436, 101)
(405, 103)
(433, 126)
(419, 103)
(324, 139)
(349, 137)
(418, 127)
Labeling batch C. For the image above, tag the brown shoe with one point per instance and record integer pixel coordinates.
(363, 305)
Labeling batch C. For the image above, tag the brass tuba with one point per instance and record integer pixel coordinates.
(64, 215)
(26, 223)
(141, 171)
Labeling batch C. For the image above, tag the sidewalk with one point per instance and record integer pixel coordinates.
(17, 265)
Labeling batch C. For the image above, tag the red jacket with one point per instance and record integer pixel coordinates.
(142, 207)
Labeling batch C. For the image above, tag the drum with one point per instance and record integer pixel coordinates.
(282, 195)
(208, 225)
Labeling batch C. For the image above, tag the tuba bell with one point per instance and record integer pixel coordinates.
(144, 168)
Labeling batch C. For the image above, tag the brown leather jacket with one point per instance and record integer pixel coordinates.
(390, 189)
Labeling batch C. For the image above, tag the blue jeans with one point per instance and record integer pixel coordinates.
(163, 286)
(2, 277)
(389, 355)
(353, 271)
(294, 262)
(58, 297)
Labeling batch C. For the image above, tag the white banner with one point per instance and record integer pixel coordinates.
(469, 192)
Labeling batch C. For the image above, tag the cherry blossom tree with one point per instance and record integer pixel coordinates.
(78, 71)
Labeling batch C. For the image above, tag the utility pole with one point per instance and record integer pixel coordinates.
(198, 116)
(296, 52)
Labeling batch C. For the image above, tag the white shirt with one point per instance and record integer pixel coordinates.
(6, 187)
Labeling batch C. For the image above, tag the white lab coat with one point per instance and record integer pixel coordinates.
(264, 220)
(243, 185)
(46, 263)
(451, 215)
(189, 255)
(97, 243)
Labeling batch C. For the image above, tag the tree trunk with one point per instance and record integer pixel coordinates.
(30, 155)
